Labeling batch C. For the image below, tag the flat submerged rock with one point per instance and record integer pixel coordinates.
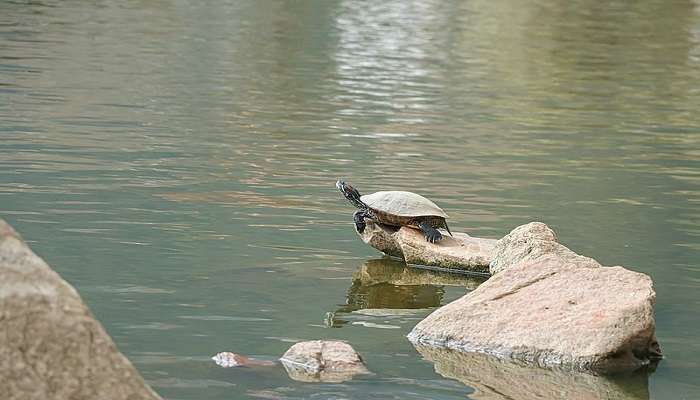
(548, 306)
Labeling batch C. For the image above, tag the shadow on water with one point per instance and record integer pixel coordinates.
(493, 379)
(387, 284)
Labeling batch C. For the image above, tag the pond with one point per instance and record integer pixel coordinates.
(175, 161)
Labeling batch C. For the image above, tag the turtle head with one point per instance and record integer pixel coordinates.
(351, 194)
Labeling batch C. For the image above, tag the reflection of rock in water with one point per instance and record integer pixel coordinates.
(386, 295)
(386, 270)
(493, 378)
(390, 284)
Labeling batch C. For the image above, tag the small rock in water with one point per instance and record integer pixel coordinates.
(322, 361)
(227, 359)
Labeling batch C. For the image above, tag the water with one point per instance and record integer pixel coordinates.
(175, 161)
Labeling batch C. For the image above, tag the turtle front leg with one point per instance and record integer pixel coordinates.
(359, 218)
(431, 234)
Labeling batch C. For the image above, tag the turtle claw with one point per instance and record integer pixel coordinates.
(433, 238)
(360, 227)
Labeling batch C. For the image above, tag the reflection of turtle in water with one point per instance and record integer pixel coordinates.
(398, 209)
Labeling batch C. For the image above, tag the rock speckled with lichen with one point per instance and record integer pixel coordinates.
(548, 306)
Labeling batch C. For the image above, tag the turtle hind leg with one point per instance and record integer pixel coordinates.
(359, 218)
(444, 223)
(431, 234)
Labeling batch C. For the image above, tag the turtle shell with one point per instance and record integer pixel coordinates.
(403, 204)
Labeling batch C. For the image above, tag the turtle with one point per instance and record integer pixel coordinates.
(396, 208)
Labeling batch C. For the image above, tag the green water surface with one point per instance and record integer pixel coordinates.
(175, 161)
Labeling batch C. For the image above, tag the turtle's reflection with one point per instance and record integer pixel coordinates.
(389, 284)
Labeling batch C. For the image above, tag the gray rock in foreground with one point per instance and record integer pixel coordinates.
(51, 347)
(461, 252)
(548, 306)
(322, 361)
(495, 379)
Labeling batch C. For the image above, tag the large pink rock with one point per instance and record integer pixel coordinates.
(548, 306)
(461, 252)
(51, 347)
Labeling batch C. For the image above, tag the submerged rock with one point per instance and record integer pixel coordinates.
(322, 361)
(549, 306)
(461, 252)
(51, 347)
(495, 379)
(227, 359)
